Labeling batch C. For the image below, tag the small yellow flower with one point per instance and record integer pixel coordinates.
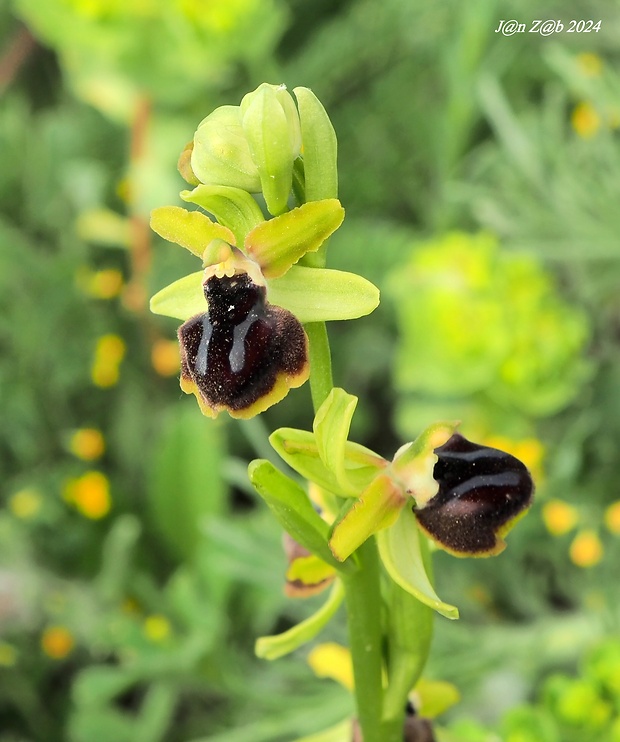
(8, 655)
(109, 353)
(332, 661)
(105, 284)
(26, 503)
(586, 549)
(87, 444)
(585, 120)
(90, 494)
(612, 518)
(165, 357)
(157, 628)
(590, 65)
(57, 642)
(559, 517)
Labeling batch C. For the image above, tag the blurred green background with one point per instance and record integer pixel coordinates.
(481, 178)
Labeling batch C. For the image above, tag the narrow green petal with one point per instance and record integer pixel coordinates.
(190, 229)
(293, 510)
(322, 294)
(320, 147)
(232, 207)
(279, 243)
(182, 299)
(273, 647)
(400, 548)
(378, 507)
(331, 431)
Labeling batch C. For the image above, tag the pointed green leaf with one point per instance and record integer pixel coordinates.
(266, 129)
(182, 299)
(232, 207)
(323, 295)
(278, 243)
(311, 294)
(320, 147)
(192, 230)
(293, 510)
(300, 451)
(331, 430)
(377, 508)
(272, 647)
(400, 548)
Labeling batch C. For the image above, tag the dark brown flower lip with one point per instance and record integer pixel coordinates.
(242, 354)
(482, 491)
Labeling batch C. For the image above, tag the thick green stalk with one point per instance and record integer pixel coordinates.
(363, 601)
(362, 589)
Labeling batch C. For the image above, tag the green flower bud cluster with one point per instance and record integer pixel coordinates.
(475, 320)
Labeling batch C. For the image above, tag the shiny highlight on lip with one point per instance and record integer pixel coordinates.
(242, 354)
(482, 491)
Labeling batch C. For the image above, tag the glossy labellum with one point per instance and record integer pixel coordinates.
(482, 491)
(242, 354)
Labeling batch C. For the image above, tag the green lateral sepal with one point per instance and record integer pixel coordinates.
(273, 647)
(319, 146)
(402, 549)
(294, 511)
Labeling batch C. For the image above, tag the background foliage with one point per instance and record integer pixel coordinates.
(480, 178)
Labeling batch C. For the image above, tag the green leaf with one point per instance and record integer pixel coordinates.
(311, 294)
(331, 431)
(266, 129)
(323, 295)
(272, 647)
(320, 147)
(278, 243)
(293, 510)
(186, 485)
(192, 230)
(300, 451)
(400, 548)
(232, 207)
(377, 508)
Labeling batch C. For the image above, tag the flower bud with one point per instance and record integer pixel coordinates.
(221, 154)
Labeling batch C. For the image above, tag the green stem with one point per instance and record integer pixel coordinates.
(321, 382)
(362, 589)
(363, 600)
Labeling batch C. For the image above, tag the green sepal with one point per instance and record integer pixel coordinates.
(320, 147)
(279, 243)
(293, 510)
(273, 647)
(192, 230)
(300, 451)
(311, 294)
(403, 552)
(221, 153)
(323, 295)
(266, 128)
(378, 507)
(232, 207)
(342, 732)
(331, 426)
